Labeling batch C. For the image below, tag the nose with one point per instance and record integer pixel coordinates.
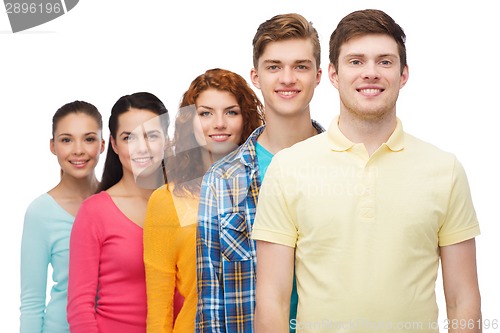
(78, 148)
(288, 76)
(219, 121)
(371, 71)
(139, 146)
(142, 144)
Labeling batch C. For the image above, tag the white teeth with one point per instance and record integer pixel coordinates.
(370, 91)
(77, 163)
(220, 136)
(142, 159)
(287, 93)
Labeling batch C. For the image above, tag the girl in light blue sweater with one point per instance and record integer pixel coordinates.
(77, 143)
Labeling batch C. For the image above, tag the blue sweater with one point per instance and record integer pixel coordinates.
(47, 227)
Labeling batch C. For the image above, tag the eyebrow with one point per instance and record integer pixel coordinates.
(300, 61)
(303, 61)
(210, 108)
(143, 131)
(362, 55)
(69, 134)
(152, 131)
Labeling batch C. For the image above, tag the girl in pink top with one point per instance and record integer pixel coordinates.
(106, 289)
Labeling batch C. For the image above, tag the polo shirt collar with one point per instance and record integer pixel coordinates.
(396, 141)
(339, 142)
(336, 138)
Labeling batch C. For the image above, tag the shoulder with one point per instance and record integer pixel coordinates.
(98, 198)
(41, 207)
(38, 212)
(426, 151)
(317, 126)
(97, 203)
(159, 194)
(41, 202)
(93, 215)
(232, 164)
(160, 203)
(305, 150)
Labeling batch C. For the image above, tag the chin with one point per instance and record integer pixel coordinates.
(147, 171)
(222, 148)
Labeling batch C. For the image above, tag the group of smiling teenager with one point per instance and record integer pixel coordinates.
(343, 233)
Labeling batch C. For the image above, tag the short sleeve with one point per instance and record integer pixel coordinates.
(460, 222)
(275, 220)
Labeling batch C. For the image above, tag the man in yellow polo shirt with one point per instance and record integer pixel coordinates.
(365, 211)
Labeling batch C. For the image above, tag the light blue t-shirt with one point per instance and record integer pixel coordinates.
(45, 240)
(264, 158)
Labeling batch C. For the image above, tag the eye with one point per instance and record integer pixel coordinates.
(302, 67)
(91, 139)
(204, 113)
(129, 137)
(273, 67)
(153, 136)
(355, 62)
(233, 112)
(65, 140)
(386, 62)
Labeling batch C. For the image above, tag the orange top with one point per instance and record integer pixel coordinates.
(170, 261)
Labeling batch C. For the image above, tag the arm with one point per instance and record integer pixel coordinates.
(463, 301)
(458, 255)
(210, 313)
(186, 276)
(35, 258)
(274, 286)
(159, 262)
(85, 252)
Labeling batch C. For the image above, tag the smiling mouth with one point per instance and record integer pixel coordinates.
(287, 92)
(370, 91)
(142, 159)
(220, 137)
(78, 163)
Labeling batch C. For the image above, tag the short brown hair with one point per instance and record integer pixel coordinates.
(284, 27)
(363, 22)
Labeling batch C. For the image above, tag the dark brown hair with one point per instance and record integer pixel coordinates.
(76, 107)
(363, 22)
(113, 170)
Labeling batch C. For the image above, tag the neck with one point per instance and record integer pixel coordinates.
(208, 158)
(142, 186)
(370, 132)
(80, 188)
(284, 131)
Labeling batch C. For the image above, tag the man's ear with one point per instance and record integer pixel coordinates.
(333, 76)
(404, 76)
(318, 76)
(254, 76)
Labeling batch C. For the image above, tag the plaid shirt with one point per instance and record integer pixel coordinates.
(225, 252)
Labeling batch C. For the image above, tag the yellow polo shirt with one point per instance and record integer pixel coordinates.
(366, 229)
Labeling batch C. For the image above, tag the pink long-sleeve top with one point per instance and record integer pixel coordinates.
(106, 287)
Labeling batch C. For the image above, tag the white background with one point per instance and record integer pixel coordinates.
(102, 50)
